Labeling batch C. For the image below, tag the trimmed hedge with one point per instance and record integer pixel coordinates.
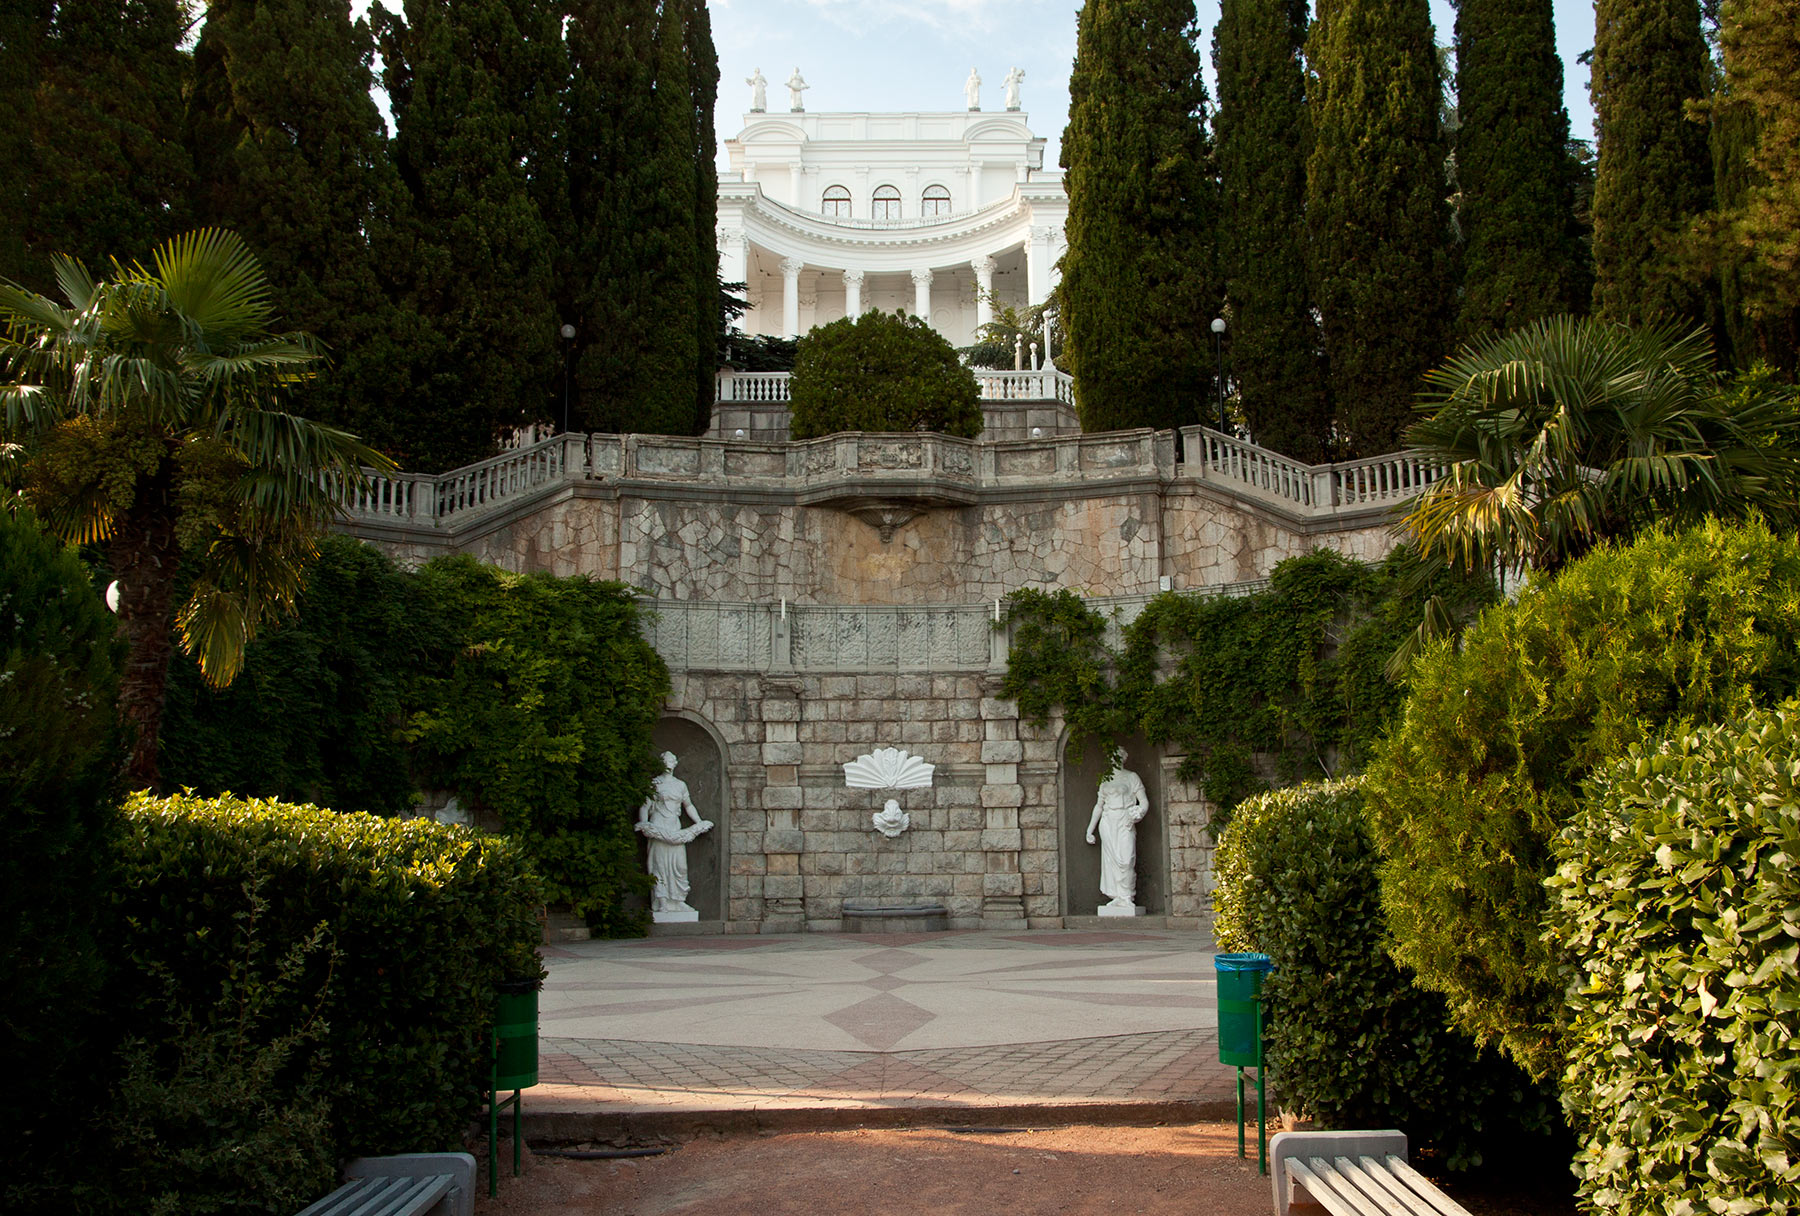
(364, 951)
(1677, 891)
(1351, 1041)
(1467, 794)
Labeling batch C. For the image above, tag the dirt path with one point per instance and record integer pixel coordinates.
(1189, 1170)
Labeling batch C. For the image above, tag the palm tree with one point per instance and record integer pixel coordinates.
(140, 415)
(1571, 432)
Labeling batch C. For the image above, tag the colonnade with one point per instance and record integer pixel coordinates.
(734, 251)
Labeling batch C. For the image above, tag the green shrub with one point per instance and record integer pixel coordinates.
(881, 372)
(1352, 1042)
(1495, 740)
(1677, 893)
(60, 760)
(544, 713)
(415, 923)
(319, 712)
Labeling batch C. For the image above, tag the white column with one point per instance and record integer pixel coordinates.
(984, 295)
(853, 306)
(790, 297)
(1038, 259)
(734, 257)
(922, 295)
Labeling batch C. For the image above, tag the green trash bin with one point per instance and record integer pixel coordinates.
(516, 1034)
(1240, 978)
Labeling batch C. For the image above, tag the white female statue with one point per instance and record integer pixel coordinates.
(1121, 805)
(759, 92)
(972, 89)
(1013, 78)
(796, 85)
(660, 820)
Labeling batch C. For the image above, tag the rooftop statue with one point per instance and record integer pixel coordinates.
(972, 89)
(1012, 88)
(796, 85)
(759, 92)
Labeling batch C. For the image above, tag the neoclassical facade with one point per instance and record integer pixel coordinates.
(827, 215)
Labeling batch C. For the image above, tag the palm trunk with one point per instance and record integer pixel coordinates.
(145, 559)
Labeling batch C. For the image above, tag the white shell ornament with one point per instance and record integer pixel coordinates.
(888, 768)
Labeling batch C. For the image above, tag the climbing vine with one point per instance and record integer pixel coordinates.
(1280, 686)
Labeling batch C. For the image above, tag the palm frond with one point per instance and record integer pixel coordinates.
(212, 278)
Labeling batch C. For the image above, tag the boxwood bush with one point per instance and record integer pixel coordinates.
(364, 952)
(881, 372)
(1487, 761)
(1352, 1042)
(1677, 892)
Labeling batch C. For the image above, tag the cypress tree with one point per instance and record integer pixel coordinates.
(1263, 134)
(23, 27)
(1377, 218)
(1654, 173)
(291, 153)
(108, 173)
(634, 177)
(1523, 258)
(475, 87)
(1752, 240)
(1139, 283)
(709, 321)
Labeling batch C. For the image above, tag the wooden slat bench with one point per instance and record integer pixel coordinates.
(413, 1184)
(1351, 1174)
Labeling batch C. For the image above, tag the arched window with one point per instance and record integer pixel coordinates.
(837, 202)
(887, 203)
(936, 202)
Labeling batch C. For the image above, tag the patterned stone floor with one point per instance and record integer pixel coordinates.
(850, 1022)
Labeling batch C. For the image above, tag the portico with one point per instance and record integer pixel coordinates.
(827, 215)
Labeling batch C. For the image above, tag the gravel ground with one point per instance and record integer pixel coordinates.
(1190, 1169)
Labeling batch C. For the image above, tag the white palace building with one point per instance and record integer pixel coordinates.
(825, 215)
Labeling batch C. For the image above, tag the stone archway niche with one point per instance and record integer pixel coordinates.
(1080, 869)
(701, 763)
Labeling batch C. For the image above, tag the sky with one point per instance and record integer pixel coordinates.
(915, 55)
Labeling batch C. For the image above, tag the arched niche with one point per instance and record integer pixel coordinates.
(700, 761)
(1080, 862)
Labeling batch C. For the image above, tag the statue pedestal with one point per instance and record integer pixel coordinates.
(1114, 910)
(679, 916)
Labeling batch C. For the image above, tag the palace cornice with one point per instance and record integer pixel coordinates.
(758, 210)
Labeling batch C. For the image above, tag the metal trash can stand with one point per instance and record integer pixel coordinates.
(1239, 982)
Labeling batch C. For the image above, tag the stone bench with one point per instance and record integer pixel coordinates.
(1351, 1174)
(412, 1184)
(903, 918)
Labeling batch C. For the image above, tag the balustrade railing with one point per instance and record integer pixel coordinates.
(1372, 481)
(490, 483)
(874, 459)
(752, 387)
(1046, 384)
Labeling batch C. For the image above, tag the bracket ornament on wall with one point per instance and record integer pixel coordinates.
(889, 768)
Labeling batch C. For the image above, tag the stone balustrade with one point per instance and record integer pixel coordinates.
(1375, 481)
(1045, 384)
(862, 464)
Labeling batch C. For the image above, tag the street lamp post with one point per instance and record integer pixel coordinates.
(1218, 329)
(568, 335)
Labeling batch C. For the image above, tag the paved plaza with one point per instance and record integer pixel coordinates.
(689, 1033)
